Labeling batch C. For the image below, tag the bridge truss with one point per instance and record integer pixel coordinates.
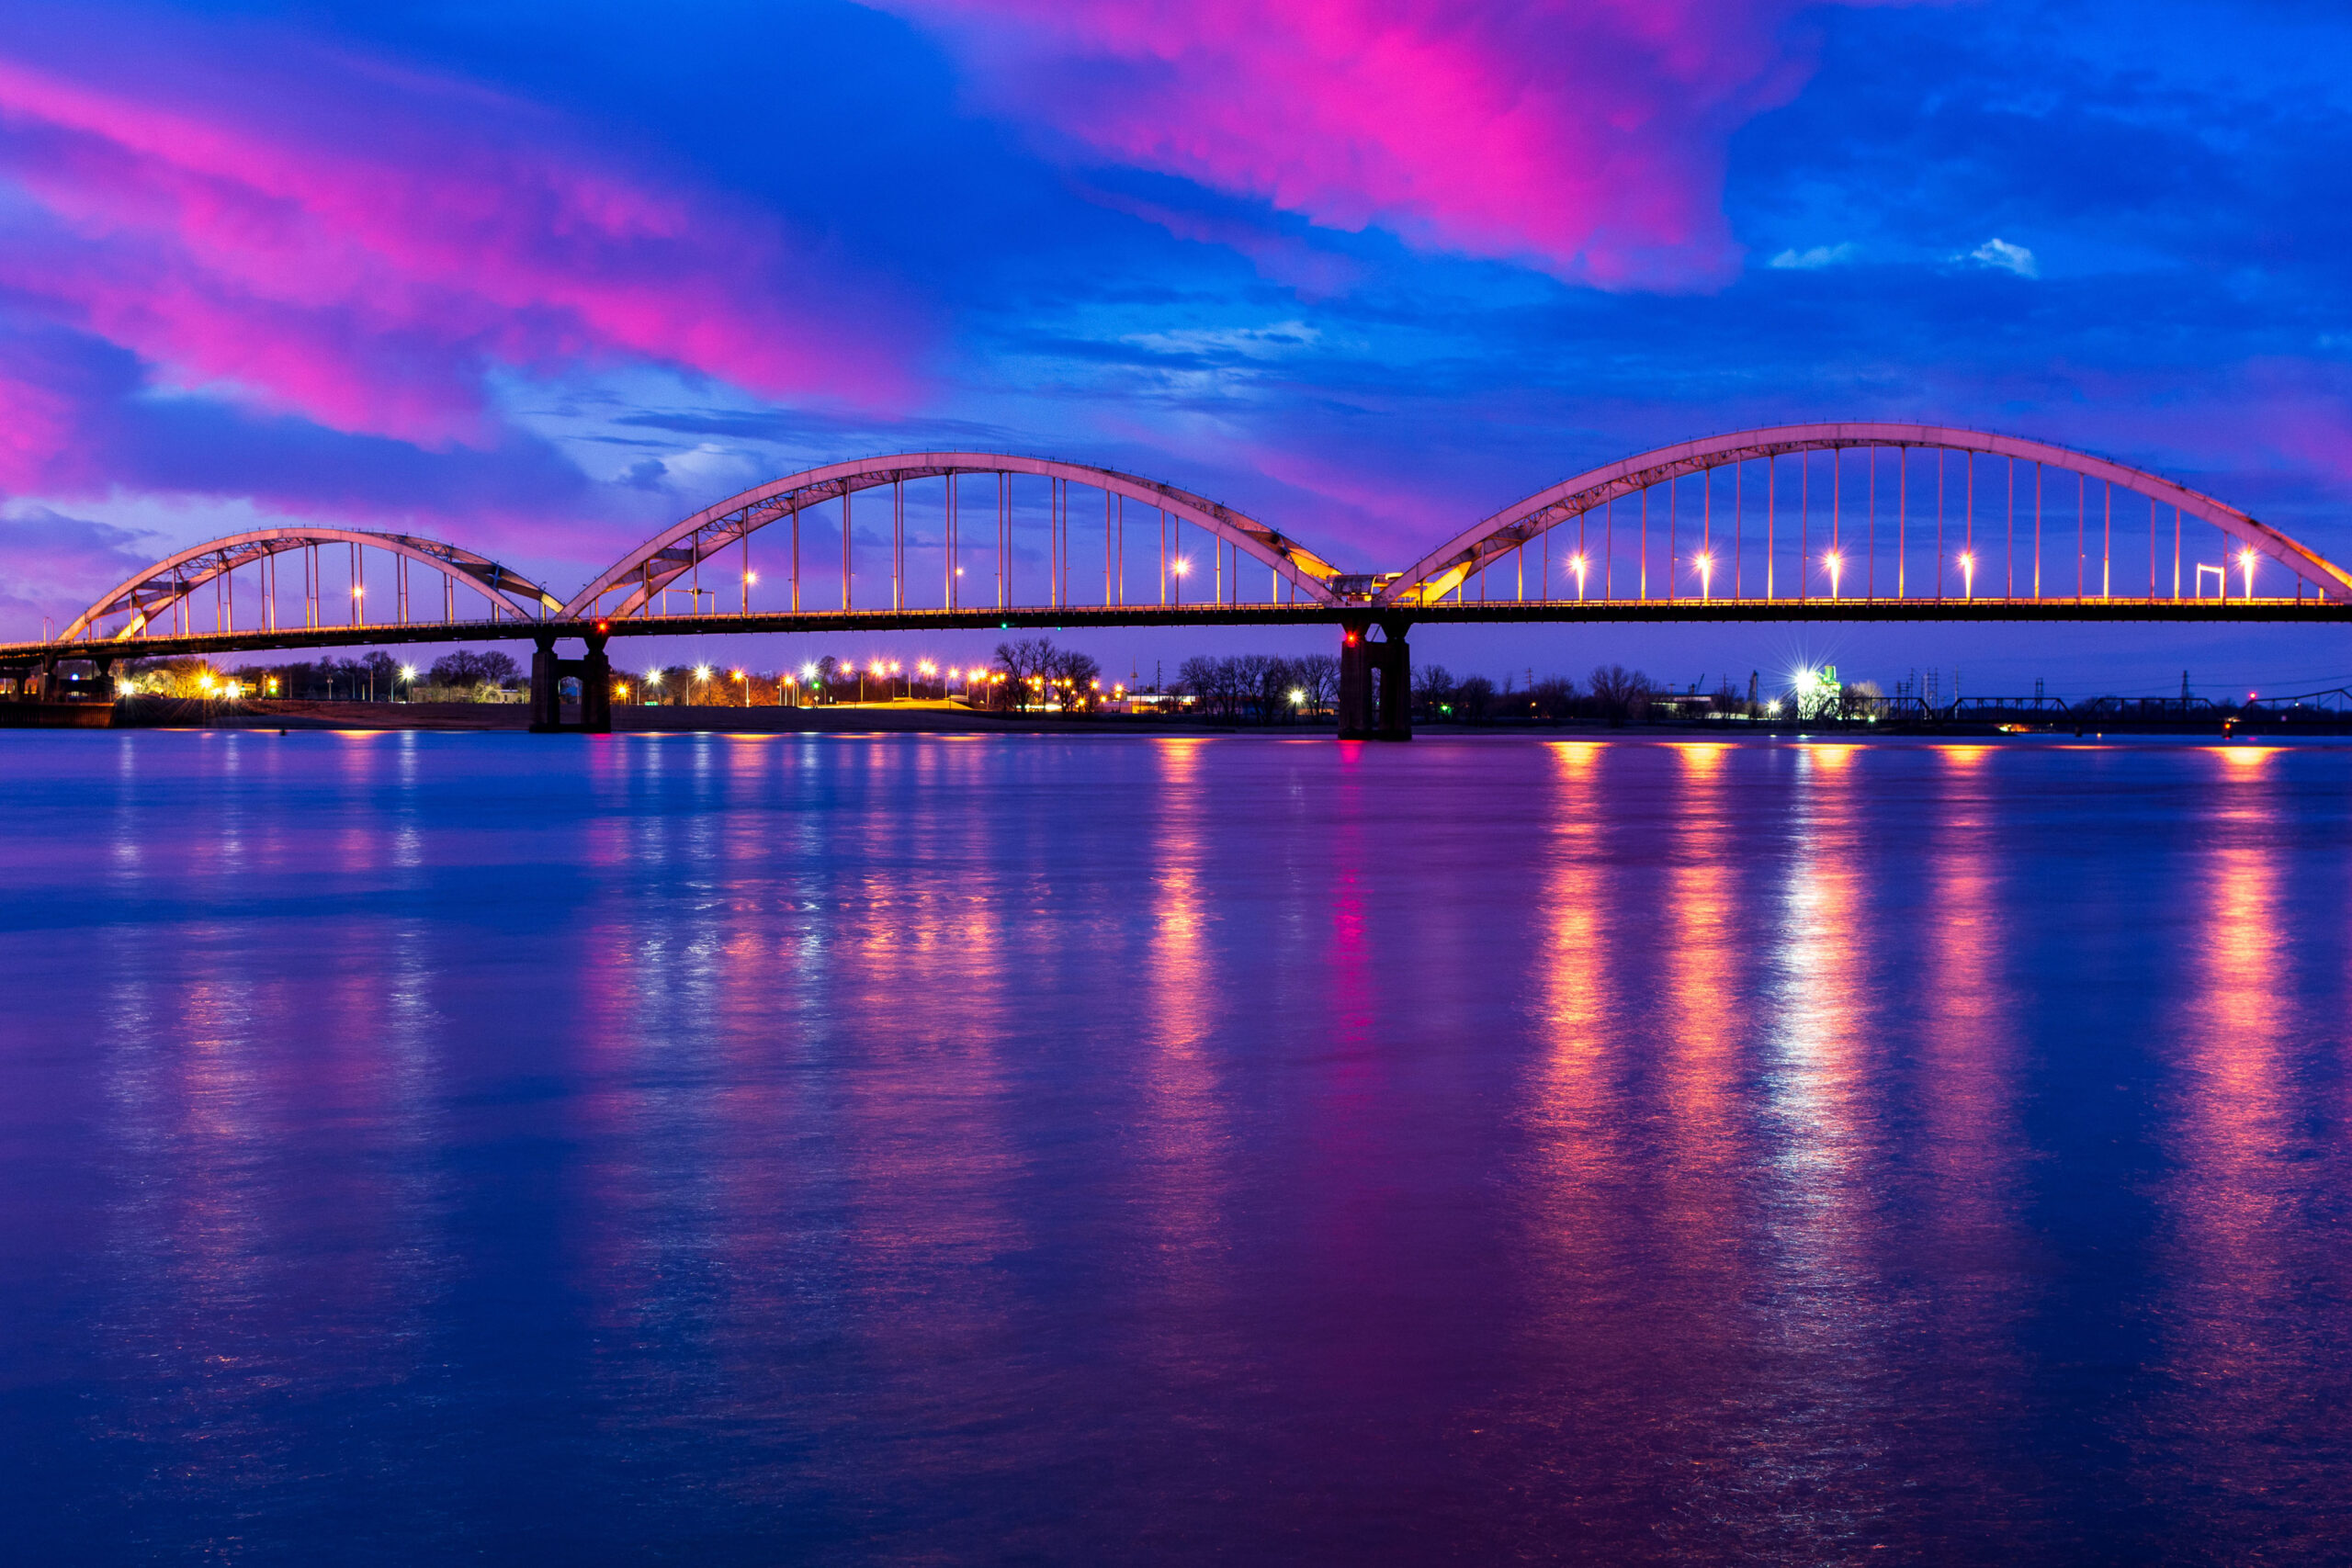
(1901, 514)
(164, 598)
(1829, 522)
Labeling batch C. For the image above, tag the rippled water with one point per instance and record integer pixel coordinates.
(1053, 1149)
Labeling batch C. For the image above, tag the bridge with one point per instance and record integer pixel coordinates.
(1852, 521)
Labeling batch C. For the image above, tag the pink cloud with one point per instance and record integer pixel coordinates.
(1586, 136)
(363, 249)
(36, 426)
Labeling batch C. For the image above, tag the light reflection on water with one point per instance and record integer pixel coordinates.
(1086, 1148)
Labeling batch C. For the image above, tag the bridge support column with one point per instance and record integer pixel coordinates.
(547, 688)
(596, 689)
(595, 674)
(1375, 681)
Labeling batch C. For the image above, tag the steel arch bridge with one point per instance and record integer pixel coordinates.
(168, 587)
(1846, 522)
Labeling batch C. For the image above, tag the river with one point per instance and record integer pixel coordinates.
(1029, 1148)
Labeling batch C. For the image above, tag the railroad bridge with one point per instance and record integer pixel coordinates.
(1852, 521)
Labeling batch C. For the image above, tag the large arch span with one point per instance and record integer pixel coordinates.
(631, 586)
(167, 586)
(1485, 544)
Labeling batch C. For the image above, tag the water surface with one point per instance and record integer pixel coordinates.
(1074, 1149)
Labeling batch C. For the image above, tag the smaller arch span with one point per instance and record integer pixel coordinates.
(1447, 567)
(640, 575)
(171, 580)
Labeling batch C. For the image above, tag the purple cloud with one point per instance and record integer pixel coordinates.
(1586, 136)
(363, 248)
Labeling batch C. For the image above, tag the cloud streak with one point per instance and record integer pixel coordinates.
(1586, 136)
(365, 250)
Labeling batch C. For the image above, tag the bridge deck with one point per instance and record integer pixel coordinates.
(1071, 618)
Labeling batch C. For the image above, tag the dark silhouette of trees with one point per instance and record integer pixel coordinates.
(1433, 691)
(1553, 697)
(1619, 694)
(1034, 669)
(468, 668)
(1317, 675)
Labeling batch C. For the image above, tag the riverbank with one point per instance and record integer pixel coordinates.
(914, 717)
(932, 717)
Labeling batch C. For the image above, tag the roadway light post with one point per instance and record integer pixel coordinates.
(1968, 575)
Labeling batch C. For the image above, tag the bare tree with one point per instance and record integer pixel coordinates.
(1619, 694)
(1432, 690)
(1554, 697)
(1317, 675)
(468, 668)
(1259, 681)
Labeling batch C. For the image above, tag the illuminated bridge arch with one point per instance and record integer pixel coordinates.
(635, 585)
(1860, 532)
(160, 599)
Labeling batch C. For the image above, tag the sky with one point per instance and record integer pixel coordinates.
(542, 279)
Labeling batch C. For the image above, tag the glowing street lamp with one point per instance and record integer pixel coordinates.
(1835, 563)
(1580, 565)
(744, 682)
(408, 675)
(1706, 575)
(2245, 562)
(1968, 573)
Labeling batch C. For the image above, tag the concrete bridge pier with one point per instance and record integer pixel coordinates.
(595, 673)
(1375, 681)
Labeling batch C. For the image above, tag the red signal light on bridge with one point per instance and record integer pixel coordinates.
(1351, 639)
(604, 626)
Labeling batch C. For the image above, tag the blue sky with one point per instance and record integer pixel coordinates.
(540, 279)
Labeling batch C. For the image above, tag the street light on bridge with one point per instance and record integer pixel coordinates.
(2245, 560)
(1579, 564)
(1968, 574)
(1835, 563)
(1706, 575)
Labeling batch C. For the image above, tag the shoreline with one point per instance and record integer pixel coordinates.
(928, 718)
